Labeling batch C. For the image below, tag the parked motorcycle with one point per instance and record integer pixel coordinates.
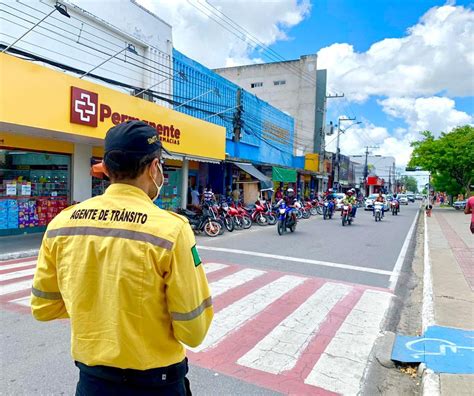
(233, 214)
(257, 214)
(346, 215)
(201, 222)
(286, 220)
(378, 211)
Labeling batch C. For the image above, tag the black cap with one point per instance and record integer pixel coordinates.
(135, 138)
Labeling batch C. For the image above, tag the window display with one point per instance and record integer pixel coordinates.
(34, 188)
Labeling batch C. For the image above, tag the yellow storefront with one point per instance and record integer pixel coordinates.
(52, 127)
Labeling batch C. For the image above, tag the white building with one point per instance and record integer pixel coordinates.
(290, 86)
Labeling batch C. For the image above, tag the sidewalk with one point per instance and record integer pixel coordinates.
(451, 252)
(18, 246)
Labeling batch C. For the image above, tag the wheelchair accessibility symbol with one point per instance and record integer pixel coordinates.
(443, 349)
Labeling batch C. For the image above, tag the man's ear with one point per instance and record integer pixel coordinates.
(106, 171)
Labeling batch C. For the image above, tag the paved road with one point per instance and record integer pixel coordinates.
(302, 320)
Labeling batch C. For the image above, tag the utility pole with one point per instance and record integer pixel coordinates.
(338, 151)
(238, 122)
(366, 166)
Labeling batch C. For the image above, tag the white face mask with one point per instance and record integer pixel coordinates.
(158, 187)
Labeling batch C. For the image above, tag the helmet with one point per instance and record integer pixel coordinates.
(353, 190)
(290, 191)
(350, 192)
(329, 189)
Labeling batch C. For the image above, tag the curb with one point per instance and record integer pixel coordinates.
(430, 383)
(18, 255)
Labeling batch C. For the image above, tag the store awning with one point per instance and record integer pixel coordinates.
(180, 157)
(252, 171)
(284, 175)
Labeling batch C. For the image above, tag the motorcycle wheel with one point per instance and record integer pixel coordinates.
(377, 216)
(393, 211)
(229, 224)
(343, 221)
(247, 222)
(299, 214)
(212, 228)
(306, 214)
(261, 219)
(319, 210)
(271, 219)
(238, 223)
(313, 211)
(293, 227)
(281, 227)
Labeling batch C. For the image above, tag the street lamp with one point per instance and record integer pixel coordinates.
(129, 47)
(61, 8)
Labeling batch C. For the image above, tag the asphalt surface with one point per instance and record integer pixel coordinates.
(365, 243)
(35, 357)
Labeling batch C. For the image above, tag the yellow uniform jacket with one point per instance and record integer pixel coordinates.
(128, 276)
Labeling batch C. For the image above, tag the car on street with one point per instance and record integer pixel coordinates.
(419, 197)
(458, 205)
(369, 202)
(411, 197)
(403, 199)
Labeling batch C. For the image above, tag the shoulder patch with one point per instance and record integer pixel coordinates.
(196, 258)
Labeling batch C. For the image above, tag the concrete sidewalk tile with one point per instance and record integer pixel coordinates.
(459, 385)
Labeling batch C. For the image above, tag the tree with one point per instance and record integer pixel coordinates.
(410, 183)
(449, 158)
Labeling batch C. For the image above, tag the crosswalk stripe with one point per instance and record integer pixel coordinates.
(14, 287)
(17, 265)
(211, 267)
(349, 350)
(239, 278)
(235, 315)
(281, 348)
(25, 301)
(17, 274)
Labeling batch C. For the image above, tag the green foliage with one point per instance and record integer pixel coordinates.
(410, 183)
(450, 158)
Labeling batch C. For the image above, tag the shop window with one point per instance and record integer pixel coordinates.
(256, 84)
(279, 82)
(34, 188)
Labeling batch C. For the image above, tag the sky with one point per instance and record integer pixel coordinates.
(404, 66)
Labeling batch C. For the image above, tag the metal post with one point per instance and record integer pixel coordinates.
(184, 183)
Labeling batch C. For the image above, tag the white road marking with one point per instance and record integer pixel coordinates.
(18, 265)
(298, 260)
(234, 316)
(401, 257)
(17, 274)
(25, 301)
(211, 267)
(341, 367)
(428, 317)
(281, 348)
(234, 280)
(14, 287)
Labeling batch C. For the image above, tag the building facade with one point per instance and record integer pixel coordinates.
(381, 170)
(75, 76)
(292, 87)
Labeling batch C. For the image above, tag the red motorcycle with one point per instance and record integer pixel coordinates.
(246, 219)
(257, 214)
(239, 221)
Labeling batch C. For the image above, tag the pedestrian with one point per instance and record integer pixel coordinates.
(195, 197)
(128, 276)
(470, 209)
(236, 195)
(428, 208)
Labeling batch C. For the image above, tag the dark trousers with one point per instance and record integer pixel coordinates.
(111, 381)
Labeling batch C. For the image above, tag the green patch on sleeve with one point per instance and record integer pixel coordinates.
(196, 258)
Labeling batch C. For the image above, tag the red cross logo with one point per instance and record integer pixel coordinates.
(84, 106)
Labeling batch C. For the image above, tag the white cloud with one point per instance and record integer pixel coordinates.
(436, 56)
(436, 114)
(199, 37)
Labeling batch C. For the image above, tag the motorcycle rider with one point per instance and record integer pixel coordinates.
(350, 200)
(354, 204)
(397, 201)
(381, 199)
(330, 197)
(290, 200)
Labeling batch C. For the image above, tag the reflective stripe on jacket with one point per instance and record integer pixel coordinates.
(129, 277)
